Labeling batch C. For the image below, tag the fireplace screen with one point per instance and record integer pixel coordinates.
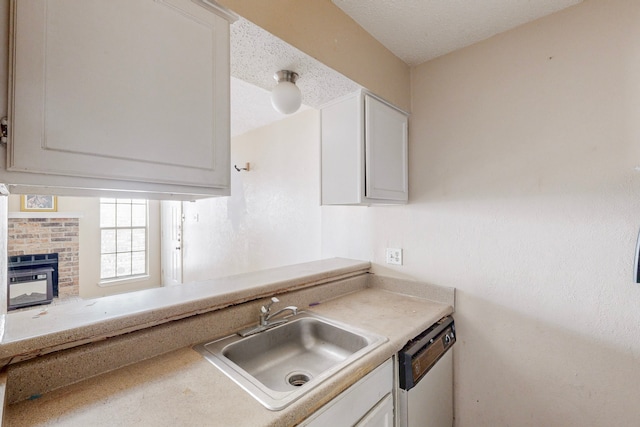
(33, 280)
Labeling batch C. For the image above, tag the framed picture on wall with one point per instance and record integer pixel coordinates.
(38, 203)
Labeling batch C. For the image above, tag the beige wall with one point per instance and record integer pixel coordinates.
(525, 197)
(272, 217)
(323, 31)
(89, 208)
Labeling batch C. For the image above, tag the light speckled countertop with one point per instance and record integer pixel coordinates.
(182, 388)
(25, 335)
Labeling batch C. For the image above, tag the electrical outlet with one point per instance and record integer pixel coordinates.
(394, 256)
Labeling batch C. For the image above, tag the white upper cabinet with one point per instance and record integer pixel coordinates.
(364, 152)
(119, 94)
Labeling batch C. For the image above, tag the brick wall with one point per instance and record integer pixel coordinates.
(46, 236)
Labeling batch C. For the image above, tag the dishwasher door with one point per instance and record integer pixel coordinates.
(425, 378)
(430, 402)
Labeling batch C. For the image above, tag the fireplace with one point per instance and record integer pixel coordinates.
(32, 280)
(50, 235)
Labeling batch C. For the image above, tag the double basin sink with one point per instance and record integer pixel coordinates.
(279, 365)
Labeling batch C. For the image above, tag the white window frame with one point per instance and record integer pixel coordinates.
(129, 277)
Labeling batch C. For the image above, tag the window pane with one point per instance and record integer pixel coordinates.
(123, 237)
(139, 239)
(138, 263)
(107, 215)
(139, 215)
(123, 215)
(124, 264)
(108, 266)
(108, 241)
(123, 240)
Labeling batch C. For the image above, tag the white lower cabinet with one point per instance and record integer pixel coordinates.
(380, 416)
(369, 402)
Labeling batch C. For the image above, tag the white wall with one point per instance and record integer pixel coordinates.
(525, 197)
(273, 216)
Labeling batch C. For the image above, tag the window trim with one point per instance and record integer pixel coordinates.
(123, 280)
(114, 281)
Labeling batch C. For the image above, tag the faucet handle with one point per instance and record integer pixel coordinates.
(265, 308)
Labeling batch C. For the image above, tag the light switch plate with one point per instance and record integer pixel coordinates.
(394, 256)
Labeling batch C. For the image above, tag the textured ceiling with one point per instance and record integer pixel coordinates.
(414, 30)
(419, 30)
(251, 107)
(256, 55)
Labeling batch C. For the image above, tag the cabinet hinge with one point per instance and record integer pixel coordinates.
(4, 130)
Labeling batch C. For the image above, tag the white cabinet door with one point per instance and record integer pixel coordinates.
(386, 143)
(364, 152)
(342, 154)
(126, 90)
(357, 401)
(380, 416)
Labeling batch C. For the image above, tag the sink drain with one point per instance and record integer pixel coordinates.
(298, 379)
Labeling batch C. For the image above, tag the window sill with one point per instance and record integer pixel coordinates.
(123, 281)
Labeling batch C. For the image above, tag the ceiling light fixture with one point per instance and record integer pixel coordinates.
(286, 96)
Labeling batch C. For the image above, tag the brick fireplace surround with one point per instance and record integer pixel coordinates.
(46, 236)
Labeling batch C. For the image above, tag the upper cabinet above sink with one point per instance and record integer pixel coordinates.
(129, 95)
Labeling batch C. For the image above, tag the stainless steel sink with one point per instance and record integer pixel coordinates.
(279, 365)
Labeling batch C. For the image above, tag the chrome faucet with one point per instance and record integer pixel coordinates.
(265, 312)
(266, 316)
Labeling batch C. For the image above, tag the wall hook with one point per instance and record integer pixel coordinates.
(245, 168)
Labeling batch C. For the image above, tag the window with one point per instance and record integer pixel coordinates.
(123, 229)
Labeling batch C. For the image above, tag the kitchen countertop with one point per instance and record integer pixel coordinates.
(24, 335)
(182, 388)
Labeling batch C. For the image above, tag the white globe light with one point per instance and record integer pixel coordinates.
(286, 97)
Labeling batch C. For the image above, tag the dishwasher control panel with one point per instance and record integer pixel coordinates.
(419, 355)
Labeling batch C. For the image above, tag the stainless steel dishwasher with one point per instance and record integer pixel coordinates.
(425, 396)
